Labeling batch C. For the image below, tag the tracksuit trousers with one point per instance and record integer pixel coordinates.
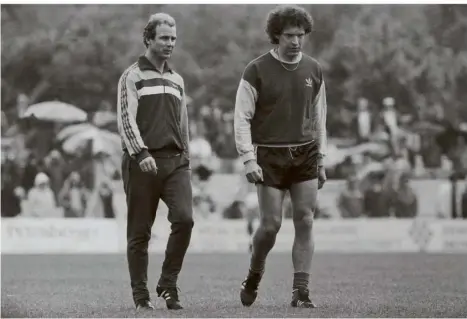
(143, 192)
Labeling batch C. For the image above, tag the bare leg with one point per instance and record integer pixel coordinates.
(270, 205)
(304, 198)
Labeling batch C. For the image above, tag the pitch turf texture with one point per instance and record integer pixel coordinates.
(343, 285)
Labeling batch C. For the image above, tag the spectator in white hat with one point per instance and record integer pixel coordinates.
(41, 199)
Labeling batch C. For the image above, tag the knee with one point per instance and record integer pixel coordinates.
(185, 223)
(270, 226)
(303, 221)
(139, 242)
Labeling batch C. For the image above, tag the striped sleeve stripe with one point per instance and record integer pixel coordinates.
(133, 141)
(160, 89)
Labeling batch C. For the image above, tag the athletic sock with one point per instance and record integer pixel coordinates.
(257, 262)
(300, 280)
(258, 270)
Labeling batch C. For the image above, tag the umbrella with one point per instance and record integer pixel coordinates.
(104, 118)
(75, 137)
(426, 127)
(55, 111)
(337, 155)
(369, 147)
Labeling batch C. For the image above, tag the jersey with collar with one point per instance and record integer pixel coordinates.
(151, 109)
(280, 104)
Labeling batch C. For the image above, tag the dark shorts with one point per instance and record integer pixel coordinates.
(284, 166)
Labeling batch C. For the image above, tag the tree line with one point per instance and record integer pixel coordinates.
(76, 53)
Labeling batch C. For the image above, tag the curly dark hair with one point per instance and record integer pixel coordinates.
(155, 20)
(284, 16)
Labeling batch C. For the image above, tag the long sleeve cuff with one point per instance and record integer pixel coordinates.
(248, 157)
(142, 155)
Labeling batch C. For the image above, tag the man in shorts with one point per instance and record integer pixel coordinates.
(280, 134)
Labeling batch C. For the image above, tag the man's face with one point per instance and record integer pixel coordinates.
(291, 41)
(164, 42)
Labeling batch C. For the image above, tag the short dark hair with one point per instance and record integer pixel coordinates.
(155, 20)
(287, 15)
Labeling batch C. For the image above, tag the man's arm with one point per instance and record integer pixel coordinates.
(245, 104)
(320, 110)
(127, 105)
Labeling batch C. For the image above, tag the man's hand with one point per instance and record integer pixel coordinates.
(148, 165)
(254, 173)
(321, 176)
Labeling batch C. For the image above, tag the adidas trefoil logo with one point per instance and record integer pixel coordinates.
(308, 82)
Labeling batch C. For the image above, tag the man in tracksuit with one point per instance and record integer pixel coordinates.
(153, 124)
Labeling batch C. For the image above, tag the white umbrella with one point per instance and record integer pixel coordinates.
(103, 118)
(337, 155)
(56, 111)
(370, 147)
(75, 137)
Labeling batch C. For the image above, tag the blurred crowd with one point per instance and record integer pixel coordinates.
(52, 187)
(390, 150)
(386, 152)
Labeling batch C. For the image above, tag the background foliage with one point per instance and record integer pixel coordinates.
(76, 53)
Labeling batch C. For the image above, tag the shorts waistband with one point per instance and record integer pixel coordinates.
(287, 146)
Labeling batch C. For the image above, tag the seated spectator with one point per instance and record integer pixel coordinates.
(405, 201)
(350, 201)
(30, 172)
(11, 200)
(375, 199)
(73, 196)
(55, 167)
(203, 204)
(106, 195)
(41, 199)
(236, 210)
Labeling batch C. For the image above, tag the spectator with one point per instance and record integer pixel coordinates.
(449, 201)
(73, 196)
(395, 166)
(375, 198)
(236, 210)
(389, 115)
(405, 201)
(30, 172)
(459, 155)
(41, 200)
(350, 201)
(55, 167)
(413, 145)
(203, 204)
(11, 199)
(106, 195)
(363, 120)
